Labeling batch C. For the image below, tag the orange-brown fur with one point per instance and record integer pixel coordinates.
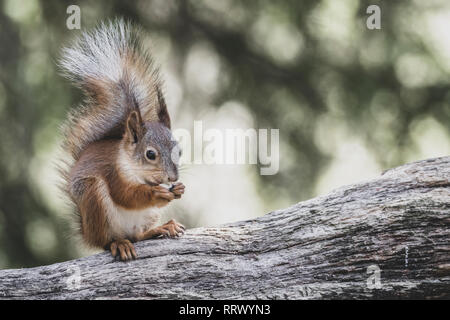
(99, 163)
(124, 116)
(94, 225)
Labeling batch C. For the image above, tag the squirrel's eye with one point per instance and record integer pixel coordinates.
(150, 154)
(180, 153)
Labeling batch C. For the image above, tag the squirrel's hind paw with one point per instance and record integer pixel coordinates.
(171, 229)
(123, 249)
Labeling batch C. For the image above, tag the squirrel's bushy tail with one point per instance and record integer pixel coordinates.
(116, 74)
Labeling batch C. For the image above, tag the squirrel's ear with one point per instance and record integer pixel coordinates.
(163, 114)
(134, 130)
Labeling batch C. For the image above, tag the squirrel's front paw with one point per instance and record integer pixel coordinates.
(123, 249)
(161, 193)
(177, 189)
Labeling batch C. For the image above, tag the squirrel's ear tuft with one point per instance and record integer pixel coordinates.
(135, 131)
(163, 114)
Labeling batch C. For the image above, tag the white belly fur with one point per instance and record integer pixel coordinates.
(125, 223)
(128, 223)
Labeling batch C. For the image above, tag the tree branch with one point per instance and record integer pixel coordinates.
(385, 238)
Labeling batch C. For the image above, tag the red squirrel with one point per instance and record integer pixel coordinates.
(119, 140)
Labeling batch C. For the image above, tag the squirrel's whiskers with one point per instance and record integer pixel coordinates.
(119, 141)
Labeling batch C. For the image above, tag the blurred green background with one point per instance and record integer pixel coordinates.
(349, 102)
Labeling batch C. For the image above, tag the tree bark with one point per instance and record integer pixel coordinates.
(384, 238)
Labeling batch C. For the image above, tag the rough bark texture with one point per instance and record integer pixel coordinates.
(327, 247)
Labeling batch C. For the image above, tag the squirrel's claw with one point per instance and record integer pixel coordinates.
(177, 189)
(163, 193)
(172, 229)
(123, 249)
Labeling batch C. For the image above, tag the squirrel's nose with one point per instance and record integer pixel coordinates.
(172, 173)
